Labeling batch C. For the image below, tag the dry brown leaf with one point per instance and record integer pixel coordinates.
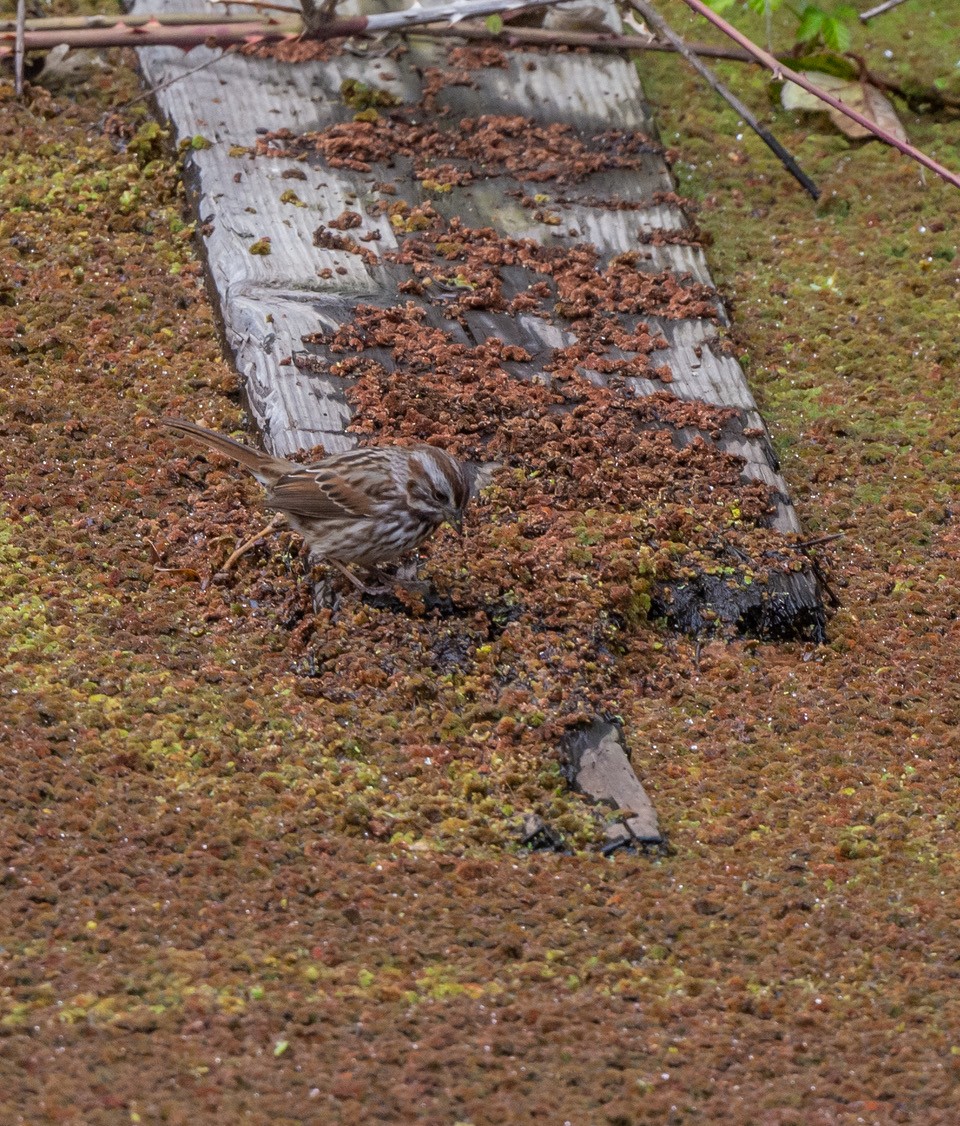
(858, 95)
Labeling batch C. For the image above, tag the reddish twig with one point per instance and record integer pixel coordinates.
(226, 33)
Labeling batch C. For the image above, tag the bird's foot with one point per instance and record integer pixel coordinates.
(379, 585)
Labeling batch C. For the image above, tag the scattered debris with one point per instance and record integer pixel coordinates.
(538, 836)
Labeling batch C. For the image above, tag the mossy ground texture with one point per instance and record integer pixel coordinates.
(230, 898)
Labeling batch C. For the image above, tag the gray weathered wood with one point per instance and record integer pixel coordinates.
(599, 766)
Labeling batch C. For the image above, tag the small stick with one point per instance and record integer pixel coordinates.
(179, 77)
(259, 4)
(385, 588)
(665, 31)
(820, 540)
(248, 543)
(18, 51)
(511, 36)
(886, 6)
(351, 576)
(78, 23)
(832, 597)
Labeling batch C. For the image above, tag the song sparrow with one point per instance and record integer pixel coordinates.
(365, 506)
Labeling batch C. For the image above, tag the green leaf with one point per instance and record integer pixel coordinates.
(494, 23)
(836, 34)
(721, 6)
(812, 20)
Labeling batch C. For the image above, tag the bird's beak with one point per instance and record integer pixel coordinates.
(455, 520)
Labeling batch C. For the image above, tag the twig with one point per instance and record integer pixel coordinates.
(155, 34)
(352, 577)
(224, 33)
(664, 31)
(535, 36)
(820, 575)
(59, 29)
(271, 28)
(914, 98)
(48, 32)
(179, 77)
(18, 50)
(260, 5)
(819, 540)
(886, 6)
(317, 13)
(617, 44)
(594, 41)
(251, 541)
(165, 19)
(781, 71)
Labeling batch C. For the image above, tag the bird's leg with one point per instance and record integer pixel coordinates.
(248, 543)
(405, 576)
(353, 578)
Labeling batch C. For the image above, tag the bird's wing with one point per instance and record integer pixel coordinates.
(321, 494)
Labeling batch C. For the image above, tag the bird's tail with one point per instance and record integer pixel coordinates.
(263, 466)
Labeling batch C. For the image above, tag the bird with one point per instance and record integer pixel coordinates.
(365, 506)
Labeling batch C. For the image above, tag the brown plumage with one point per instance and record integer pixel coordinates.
(365, 506)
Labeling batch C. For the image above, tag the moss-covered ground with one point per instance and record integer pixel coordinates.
(223, 901)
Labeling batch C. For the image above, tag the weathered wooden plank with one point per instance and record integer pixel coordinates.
(269, 302)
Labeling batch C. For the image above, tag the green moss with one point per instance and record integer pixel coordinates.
(360, 96)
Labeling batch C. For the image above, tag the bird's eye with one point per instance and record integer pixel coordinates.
(440, 496)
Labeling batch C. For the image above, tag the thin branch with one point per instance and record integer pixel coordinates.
(807, 544)
(316, 14)
(260, 5)
(66, 23)
(781, 71)
(178, 77)
(18, 49)
(617, 44)
(123, 33)
(278, 521)
(664, 31)
(534, 36)
(271, 27)
(185, 36)
(886, 6)
(594, 41)
(914, 98)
